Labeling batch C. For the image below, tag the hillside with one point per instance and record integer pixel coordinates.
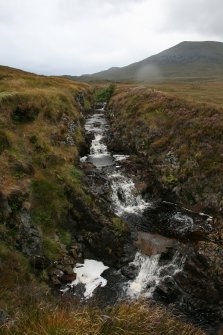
(49, 220)
(185, 61)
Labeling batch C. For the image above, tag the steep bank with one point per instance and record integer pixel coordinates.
(177, 150)
(50, 219)
(180, 143)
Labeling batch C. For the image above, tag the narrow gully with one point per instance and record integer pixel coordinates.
(129, 205)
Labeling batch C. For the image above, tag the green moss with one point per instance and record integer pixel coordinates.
(118, 225)
(13, 261)
(76, 173)
(65, 237)
(51, 248)
(87, 105)
(49, 203)
(104, 94)
(170, 179)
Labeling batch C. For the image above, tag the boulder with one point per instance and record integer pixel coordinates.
(129, 271)
(172, 220)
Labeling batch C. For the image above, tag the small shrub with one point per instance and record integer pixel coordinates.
(104, 94)
(4, 142)
(87, 105)
(25, 112)
(33, 139)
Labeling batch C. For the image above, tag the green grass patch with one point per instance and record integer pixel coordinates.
(104, 94)
(65, 237)
(118, 225)
(51, 248)
(76, 173)
(49, 203)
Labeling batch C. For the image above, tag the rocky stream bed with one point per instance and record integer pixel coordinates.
(171, 254)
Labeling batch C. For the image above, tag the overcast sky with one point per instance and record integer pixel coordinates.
(86, 36)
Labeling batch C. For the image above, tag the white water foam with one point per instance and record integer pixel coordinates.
(97, 148)
(89, 274)
(151, 274)
(124, 197)
(119, 158)
(83, 159)
(146, 275)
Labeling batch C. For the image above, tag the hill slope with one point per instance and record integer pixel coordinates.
(187, 60)
(45, 208)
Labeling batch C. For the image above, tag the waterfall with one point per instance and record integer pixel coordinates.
(124, 197)
(147, 268)
(129, 205)
(97, 148)
(151, 274)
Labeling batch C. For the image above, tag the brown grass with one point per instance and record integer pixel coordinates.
(66, 318)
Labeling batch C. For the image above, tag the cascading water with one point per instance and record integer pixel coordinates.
(97, 148)
(147, 269)
(124, 197)
(151, 274)
(126, 202)
(99, 155)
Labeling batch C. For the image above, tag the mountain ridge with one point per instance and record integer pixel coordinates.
(186, 60)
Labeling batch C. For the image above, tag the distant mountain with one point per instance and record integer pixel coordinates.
(185, 61)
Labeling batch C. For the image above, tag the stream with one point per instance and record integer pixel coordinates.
(149, 268)
(162, 233)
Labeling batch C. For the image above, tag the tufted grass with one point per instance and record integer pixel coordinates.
(69, 318)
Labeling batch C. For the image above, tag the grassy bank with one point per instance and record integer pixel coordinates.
(180, 140)
(40, 313)
(40, 136)
(44, 203)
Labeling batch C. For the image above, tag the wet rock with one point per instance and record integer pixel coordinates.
(30, 236)
(4, 317)
(153, 244)
(5, 209)
(68, 260)
(55, 280)
(129, 271)
(39, 262)
(76, 250)
(62, 270)
(172, 220)
(168, 288)
(68, 270)
(68, 278)
(201, 281)
(56, 272)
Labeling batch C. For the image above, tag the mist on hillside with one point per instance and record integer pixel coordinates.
(148, 73)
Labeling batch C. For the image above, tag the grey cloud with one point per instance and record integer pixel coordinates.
(90, 9)
(202, 16)
(85, 36)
